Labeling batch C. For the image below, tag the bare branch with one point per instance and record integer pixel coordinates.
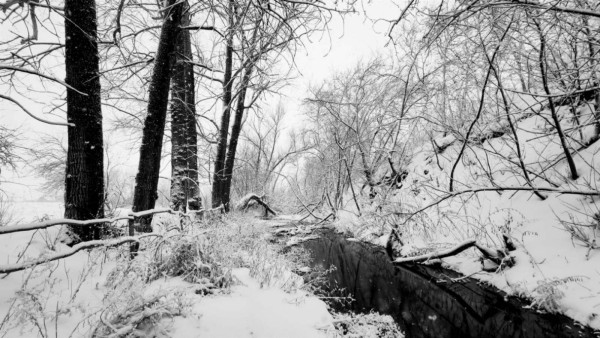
(33, 116)
(29, 71)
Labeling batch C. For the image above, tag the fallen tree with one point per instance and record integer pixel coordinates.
(245, 202)
(500, 257)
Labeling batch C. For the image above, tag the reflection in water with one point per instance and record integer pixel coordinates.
(423, 300)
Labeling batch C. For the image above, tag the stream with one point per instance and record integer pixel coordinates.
(423, 300)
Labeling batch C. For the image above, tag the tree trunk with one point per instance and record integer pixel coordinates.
(193, 190)
(146, 180)
(235, 135)
(184, 151)
(179, 124)
(84, 191)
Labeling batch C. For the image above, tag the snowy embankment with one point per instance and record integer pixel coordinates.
(558, 252)
(191, 284)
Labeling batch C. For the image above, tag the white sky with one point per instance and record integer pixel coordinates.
(350, 40)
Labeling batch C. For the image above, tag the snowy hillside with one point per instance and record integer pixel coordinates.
(557, 256)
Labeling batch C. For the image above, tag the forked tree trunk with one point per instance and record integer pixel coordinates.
(146, 180)
(84, 191)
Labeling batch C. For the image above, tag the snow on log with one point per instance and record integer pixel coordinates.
(244, 202)
(70, 252)
(440, 254)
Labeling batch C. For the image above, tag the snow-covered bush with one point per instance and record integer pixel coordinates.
(191, 257)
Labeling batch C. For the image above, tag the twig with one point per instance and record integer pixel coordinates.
(33, 72)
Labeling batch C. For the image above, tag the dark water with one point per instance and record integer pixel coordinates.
(424, 302)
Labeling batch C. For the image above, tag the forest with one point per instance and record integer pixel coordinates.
(299, 168)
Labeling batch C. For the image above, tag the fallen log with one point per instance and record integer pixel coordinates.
(499, 257)
(435, 255)
(245, 202)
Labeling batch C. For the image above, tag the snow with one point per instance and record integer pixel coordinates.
(554, 269)
(252, 311)
(66, 298)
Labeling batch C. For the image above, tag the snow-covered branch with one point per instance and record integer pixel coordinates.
(152, 212)
(64, 221)
(73, 250)
(435, 255)
(46, 224)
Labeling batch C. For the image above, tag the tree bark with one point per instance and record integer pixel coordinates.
(146, 180)
(84, 190)
(193, 189)
(184, 150)
(179, 124)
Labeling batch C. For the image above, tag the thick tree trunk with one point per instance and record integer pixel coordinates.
(179, 124)
(146, 180)
(235, 135)
(184, 151)
(84, 191)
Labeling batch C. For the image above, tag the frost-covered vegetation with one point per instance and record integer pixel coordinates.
(182, 283)
(469, 135)
(455, 145)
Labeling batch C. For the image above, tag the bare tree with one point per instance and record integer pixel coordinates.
(146, 181)
(266, 154)
(255, 39)
(358, 116)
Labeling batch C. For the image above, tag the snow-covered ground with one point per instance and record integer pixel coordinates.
(102, 293)
(558, 270)
(73, 296)
(253, 311)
